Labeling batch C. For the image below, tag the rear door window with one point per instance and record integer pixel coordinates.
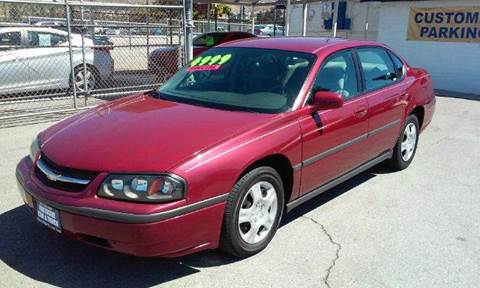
(10, 39)
(397, 65)
(44, 39)
(378, 69)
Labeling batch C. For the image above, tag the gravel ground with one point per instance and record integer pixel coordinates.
(415, 228)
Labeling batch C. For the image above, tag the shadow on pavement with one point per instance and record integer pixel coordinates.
(458, 95)
(331, 194)
(43, 255)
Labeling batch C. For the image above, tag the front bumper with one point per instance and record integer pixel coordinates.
(172, 233)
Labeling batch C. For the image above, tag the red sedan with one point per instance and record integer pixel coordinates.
(245, 132)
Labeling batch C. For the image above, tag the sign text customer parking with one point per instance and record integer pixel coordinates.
(448, 24)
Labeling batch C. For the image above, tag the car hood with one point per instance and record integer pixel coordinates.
(141, 134)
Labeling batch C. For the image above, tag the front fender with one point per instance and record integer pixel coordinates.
(214, 172)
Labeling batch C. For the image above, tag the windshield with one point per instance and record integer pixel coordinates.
(246, 79)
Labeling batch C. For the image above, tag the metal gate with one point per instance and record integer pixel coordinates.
(65, 56)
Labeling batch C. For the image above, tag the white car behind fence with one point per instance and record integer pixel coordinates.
(38, 59)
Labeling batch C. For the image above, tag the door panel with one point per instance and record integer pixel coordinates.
(11, 69)
(386, 109)
(333, 139)
(47, 60)
(386, 100)
(333, 143)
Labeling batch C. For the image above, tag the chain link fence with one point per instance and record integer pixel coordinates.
(71, 55)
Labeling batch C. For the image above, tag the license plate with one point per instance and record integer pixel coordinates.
(49, 216)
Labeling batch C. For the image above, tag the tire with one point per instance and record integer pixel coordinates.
(406, 145)
(243, 238)
(91, 74)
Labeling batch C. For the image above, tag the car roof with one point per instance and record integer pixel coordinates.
(299, 44)
(31, 28)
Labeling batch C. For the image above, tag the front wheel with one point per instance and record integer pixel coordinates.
(406, 146)
(253, 211)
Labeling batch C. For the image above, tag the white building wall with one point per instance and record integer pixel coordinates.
(359, 13)
(454, 66)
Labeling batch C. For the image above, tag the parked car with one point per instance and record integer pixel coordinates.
(258, 29)
(116, 31)
(163, 62)
(37, 59)
(61, 25)
(98, 40)
(268, 30)
(245, 132)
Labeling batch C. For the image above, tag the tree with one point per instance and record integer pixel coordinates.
(222, 10)
(269, 16)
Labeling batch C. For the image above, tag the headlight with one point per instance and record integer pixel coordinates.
(34, 149)
(143, 188)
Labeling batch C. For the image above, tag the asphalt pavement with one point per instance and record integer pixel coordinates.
(415, 228)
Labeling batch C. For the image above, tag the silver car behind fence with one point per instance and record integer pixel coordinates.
(61, 56)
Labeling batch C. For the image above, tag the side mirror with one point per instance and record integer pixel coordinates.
(325, 100)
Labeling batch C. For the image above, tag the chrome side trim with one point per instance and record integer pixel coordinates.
(59, 177)
(347, 144)
(381, 129)
(333, 150)
(312, 194)
(297, 167)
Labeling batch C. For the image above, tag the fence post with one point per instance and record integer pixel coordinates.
(286, 18)
(83, 30)
(148, 34)
(85, 71)
(335, 18)
(253, 19)
(274, 21)
(367, 15)
(209, 7)
(70, 50)
(305, 17)
(188, 23)
(170, 32)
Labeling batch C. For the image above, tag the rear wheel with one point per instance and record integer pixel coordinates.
(253, 211)
(85, 80)
(406, 146)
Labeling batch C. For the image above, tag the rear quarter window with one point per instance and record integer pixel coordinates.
(10, 39)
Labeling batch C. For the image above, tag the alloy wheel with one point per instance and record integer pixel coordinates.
(84, 80)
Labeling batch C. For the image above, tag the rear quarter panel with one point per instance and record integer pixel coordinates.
(422, 94)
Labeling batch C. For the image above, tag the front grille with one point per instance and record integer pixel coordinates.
(62, 178)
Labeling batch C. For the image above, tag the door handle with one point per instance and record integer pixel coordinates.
(361, 111)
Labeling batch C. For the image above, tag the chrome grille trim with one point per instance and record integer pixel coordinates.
(53, 176)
